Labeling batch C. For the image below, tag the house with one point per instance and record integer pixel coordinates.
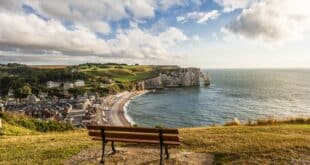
(79, 83)
(11, 92)
(32, 98)
(68, 86)
(52, 84)
(42, 95)
(1, 107)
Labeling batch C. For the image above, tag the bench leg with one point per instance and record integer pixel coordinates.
(103, 151)
(161, 155)
(103, 145)
(113, 148)
(166, 152)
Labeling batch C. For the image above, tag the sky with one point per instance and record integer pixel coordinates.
(195, 33)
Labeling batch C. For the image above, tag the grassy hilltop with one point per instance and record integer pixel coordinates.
(100, 78)
(259, 144)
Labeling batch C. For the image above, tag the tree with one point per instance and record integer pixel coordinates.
(23, 92)
(26, 90)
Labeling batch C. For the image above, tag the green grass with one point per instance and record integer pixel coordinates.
(278, 144)
(11, 130)
(2, 74)
(135, 77)
(122, 73)
(48, 148)
(251, 144)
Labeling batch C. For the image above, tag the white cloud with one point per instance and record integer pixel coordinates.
(199, 17)
(135, 43)
(181, 19)
(23, 33)
(93, 14)
(231, 5)
(100, 26)
(196, 38)
(166, 4)
(142, 9)
(29, 33)
(272, 20)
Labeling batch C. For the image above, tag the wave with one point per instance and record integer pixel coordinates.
(125, 108)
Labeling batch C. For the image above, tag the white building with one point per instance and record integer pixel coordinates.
(11, 92)
(68, 86)
(52, 84)
(1, 107)
(42, 95)
(32, 98)
(79, 83)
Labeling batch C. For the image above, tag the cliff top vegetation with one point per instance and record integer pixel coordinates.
(280, 143)
(117, 77)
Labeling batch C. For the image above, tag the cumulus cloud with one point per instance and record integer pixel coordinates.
(29, 32)
(69, 28)
(272, 20)
(231, 5)
(199, 17)
(135, 43)
(94, 14)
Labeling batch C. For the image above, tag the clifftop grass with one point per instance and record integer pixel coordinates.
(280, 144)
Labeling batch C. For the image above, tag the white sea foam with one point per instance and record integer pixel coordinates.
(128, 118)
(125, 108)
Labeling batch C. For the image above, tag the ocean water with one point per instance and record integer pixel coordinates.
(242, 94)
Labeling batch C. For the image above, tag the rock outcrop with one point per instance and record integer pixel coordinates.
(181, 77)
(153, 83)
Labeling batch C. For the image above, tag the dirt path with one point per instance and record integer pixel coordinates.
(140, 156)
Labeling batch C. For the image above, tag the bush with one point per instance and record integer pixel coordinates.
(34, 124)
(273, 121)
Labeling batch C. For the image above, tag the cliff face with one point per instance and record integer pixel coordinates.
(182, 77)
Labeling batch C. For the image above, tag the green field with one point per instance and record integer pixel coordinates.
(115, 77)
(280, 144)
(123, 73)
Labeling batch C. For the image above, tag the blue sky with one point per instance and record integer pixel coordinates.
(203, 33)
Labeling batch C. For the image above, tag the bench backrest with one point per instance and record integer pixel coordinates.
(134, 134)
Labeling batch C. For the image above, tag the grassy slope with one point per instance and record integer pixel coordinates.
(125, 73)
(260, 144)
(41, 148)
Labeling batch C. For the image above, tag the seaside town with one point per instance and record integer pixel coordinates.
(85, 109)
(74, 105)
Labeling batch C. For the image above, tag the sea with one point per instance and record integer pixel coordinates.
(245, 94)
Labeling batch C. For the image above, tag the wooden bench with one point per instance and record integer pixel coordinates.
(161, 136)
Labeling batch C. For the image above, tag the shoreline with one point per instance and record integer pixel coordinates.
(118, 109)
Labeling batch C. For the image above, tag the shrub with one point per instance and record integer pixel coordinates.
(34, 124)
(272, 121)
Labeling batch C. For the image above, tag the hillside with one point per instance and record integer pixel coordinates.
(284, 143)
(100, 78)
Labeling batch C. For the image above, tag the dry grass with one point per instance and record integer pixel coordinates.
(49, 66)
(272, 144)
(273, 121)
(270, 121)
(283, 144)
(49, 148)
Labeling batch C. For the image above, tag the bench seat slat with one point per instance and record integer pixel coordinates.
(137, 141)
(131, 135)
(132, 129)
